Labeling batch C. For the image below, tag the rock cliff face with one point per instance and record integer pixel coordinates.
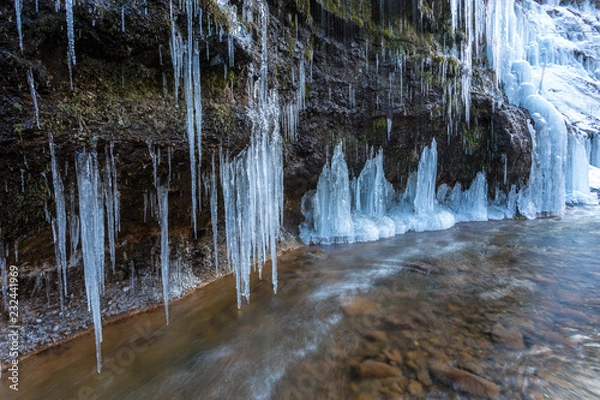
(367, 73)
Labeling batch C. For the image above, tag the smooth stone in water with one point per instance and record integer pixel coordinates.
(508, 337)
(371, 369)
(464, 381)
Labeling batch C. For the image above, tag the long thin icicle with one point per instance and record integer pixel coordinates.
(33, 97)
(59, 224)
(163, 205)
(111, 198)
(72, 60)
(18, 11)
(213, 212)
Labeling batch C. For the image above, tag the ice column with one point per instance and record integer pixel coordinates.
(595, 151)
(328, 210)
(426, 180)
(372, 191)
(471, 204)
(577, 180)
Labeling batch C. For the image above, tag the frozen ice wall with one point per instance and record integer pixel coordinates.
(368, 208)
(546, 56)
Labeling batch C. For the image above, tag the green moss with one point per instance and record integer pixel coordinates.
(472, 139)
(380, 126)
(303, 6)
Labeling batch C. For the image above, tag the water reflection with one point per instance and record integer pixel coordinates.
(506, 309)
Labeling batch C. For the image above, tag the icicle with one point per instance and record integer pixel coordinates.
(230, 50)
(123, 19)
(198, 117)
(72, 61)
(18, 11)
(91, 210)
(73, 228)
(59, 225)
(145, 207)
(33, 97)
(111, 198)
(176, 48)
(154, 164)
(389, 128)
(213, 212)
(163, 204)
(115, 187)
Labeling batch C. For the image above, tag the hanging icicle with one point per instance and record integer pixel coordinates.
(91, 209)
(71, 59)
(33, 97)
(213, 212)
(163, 205)
(18, 11)
(59, 224)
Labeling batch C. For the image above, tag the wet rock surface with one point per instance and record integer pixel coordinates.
(473, 330)
(509, 337)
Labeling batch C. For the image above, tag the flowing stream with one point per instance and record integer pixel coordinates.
(424, 304)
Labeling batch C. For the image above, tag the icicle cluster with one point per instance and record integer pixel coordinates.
(468, 205)
(290, 115)
(252, 182)
(186, 60)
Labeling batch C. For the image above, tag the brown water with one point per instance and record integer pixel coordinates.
(505, 309)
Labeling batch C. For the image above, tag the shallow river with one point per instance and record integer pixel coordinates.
(506, 309)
